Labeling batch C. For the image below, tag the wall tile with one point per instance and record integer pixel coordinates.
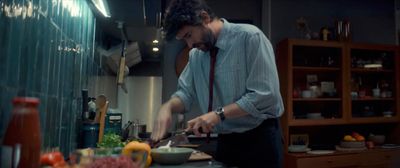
(47, 54)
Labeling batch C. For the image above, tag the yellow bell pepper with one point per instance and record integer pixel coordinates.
(136, 146)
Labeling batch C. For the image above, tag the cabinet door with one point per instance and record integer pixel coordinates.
(330, 162)
(375, 166)
(377, 158)
(317, 85)
(394, 159)
(373, 84)
(388, 159)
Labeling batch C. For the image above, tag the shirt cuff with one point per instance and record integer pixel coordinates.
(185, 99)
(247, 106)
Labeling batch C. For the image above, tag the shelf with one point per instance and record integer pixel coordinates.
(362, 120)
(310, 122)
(317, 99)
(301, 62)
(313, 43)
(305, 68)
(371, 70)
(372, 99)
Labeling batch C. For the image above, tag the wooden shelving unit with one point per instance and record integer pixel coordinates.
(353, 104)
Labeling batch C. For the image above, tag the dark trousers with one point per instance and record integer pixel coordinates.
(256, 148)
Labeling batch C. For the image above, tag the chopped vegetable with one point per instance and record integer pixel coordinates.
(114, 162)
(138, 148)
(53, 159)
(111, 140)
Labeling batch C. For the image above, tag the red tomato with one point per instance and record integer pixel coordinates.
(52, 159)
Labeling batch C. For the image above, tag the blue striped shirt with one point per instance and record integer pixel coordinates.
(245, 74)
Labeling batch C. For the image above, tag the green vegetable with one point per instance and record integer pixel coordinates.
(110, 140)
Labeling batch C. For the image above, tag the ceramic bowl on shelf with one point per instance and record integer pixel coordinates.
(314, 116)
(298, 148)
(387, 114)
(306, 94)
(377, 139)
(352, 144)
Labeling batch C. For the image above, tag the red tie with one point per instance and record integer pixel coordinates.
(213, 58)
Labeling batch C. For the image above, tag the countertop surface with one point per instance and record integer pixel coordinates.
(192, 164)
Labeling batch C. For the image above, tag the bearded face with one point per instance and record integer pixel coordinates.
(200, 37)
(207, 41)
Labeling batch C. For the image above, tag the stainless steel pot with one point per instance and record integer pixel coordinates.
(135, 129)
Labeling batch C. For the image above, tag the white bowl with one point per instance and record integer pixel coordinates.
(314, 115)
(298, 148)
(377, 139)
(171, 156)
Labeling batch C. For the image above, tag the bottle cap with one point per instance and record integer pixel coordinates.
(27, 100)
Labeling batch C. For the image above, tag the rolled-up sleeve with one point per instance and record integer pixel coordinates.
(185, 90)
(262, 98)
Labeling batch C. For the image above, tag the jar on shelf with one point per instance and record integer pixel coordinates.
(296, 92)
(385, 89)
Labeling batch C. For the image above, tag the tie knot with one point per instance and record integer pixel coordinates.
(214, 51)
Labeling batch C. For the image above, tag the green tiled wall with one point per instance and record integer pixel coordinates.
(46, 51)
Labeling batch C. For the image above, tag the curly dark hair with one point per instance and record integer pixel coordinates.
(184, 12)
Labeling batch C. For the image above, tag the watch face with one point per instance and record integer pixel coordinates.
(220, 112)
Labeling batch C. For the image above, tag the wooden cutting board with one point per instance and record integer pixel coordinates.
(198, 156)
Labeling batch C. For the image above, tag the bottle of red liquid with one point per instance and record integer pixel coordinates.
(23, 133)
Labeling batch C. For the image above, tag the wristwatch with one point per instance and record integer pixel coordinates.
(220, 113)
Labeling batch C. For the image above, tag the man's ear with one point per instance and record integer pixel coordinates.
(205, 17)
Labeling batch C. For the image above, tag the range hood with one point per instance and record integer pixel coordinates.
(142, 19)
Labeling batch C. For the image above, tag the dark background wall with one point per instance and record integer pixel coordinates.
(372, 21)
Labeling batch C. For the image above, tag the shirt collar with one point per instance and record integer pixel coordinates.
(222, 39)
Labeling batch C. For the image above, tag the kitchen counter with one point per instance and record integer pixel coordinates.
(195, 164)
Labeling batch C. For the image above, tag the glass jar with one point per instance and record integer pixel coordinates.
(23, 132)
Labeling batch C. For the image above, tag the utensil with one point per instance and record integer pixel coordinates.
(166, 146)
(103, 105)
(179, 138)
(125, 133)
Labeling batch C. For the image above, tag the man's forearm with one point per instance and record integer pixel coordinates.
(234, 111)
(175, 104)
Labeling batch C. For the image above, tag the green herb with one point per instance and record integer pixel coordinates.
(110, 140)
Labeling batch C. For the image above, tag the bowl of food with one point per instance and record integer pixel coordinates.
(107, 157)
(352, 144)
(171, 156)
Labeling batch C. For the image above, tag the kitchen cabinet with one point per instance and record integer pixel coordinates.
(331, 89)
(375, 158)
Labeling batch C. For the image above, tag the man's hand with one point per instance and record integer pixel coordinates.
(162, 123)
(164, 118)
(206, 122)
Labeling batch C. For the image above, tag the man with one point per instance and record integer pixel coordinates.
(244, 102)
